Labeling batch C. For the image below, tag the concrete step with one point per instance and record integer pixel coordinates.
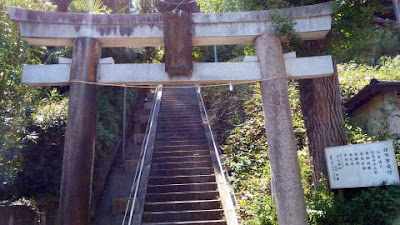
(181, 147)
(179, 133)
(181, 130)
(180, 113)
(143, 111)
(182, 171)
(199, 222)
(131, 165)
(169, 107)
(183, 117)
(179, 122)
(181, 196)
(181, 159)
(178, 127)
(180, 143)
(182, 205)
(180, 138)
(181, 153)
(173, 102)
(138, 138)
(144, 118)
(179, 102)
(119, 205)
(148, 105)
(154, 180)
(176, 93)
(176, 165)
(178, 98)
(189, 215)
(166, 188)
(132, 152)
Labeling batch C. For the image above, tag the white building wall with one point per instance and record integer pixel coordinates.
(381, 113)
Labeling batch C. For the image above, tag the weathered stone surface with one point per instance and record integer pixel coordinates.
(77, 172)
(108, 60)
(155, 73)
(63, 60)
(59, 29)
(296, 68)
(17, 215)
(46, 75)
(309, 67)
(286, 178)
(178, 43)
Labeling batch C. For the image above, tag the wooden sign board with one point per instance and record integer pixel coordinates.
(362, 165)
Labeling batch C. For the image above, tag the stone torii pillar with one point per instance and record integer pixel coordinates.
(77, 172)
(86, 32)
(286, 177)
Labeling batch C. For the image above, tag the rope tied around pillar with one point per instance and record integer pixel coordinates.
(177, 87)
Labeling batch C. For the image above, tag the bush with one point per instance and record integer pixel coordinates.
(364, 206)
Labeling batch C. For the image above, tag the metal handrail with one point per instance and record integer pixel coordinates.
(139, 168)
(216, 148)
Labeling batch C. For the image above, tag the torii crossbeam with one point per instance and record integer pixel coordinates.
(89, 33)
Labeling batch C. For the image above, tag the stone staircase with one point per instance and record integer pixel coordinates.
(182, 187)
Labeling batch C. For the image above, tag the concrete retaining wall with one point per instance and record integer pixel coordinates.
(18, 215)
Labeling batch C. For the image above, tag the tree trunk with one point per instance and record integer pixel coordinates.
(322, 109)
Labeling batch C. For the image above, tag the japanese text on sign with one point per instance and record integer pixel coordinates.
(362, 165)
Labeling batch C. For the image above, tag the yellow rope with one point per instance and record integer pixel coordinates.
(176, 87)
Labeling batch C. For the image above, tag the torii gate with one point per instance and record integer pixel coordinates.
(88, 33)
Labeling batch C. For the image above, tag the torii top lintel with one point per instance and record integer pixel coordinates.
(117, 30)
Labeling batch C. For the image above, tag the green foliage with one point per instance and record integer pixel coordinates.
(226, 108)
(109, 122)
(354, 76)
(88, 6)
(356, 35)
(38, 152)
(366, 206)
(240, 5)
(16, 101)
